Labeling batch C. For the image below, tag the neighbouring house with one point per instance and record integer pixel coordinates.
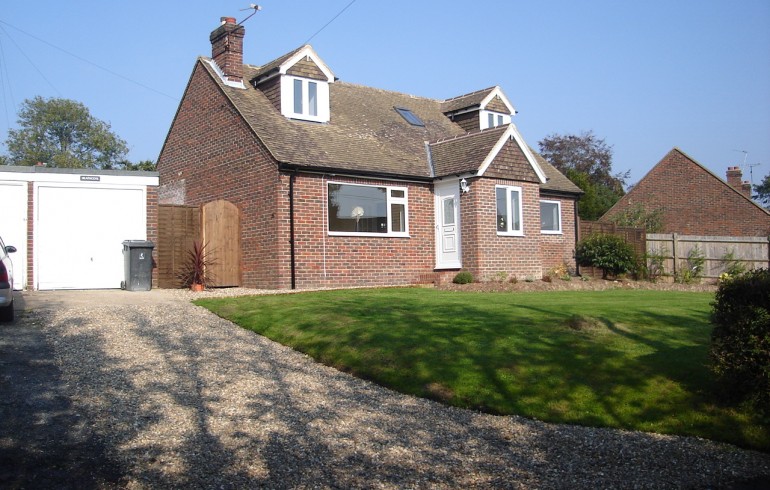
(337, 184)
(694, 201)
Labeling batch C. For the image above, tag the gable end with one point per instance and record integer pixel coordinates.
(306, 68)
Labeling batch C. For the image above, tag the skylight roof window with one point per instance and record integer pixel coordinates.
(409, 116)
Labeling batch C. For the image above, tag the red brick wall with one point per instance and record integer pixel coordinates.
(485, 253)
(152, 227)
(211, 154)
(559, 249)
(339, 261)
(694, 201)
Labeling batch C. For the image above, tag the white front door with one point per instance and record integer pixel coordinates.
(13, 227)
(447, 205)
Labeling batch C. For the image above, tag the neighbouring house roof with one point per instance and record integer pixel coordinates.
(367, 136)
(693, 199)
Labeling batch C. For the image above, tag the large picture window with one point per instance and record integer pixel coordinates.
(550, 217)
(367, 210)
(509, 220)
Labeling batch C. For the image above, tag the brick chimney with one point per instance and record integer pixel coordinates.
(227, 48)
(734, 178)
(746, 188)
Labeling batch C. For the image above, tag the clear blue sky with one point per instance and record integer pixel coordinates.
(645, 76)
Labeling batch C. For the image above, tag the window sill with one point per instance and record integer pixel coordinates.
(545, 232)
(376, 235)
(505, 233)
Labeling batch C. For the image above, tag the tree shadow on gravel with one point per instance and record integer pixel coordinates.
(44, 440)
(182, 398)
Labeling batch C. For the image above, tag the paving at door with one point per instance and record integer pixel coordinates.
(119, 389)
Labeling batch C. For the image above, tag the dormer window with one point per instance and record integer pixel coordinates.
(490, 119)
(306, 99)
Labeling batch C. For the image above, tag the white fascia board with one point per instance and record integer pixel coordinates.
(309, 52)
(498, 92)
(512, 133)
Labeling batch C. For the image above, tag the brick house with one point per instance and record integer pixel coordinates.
(694, 201)
(339, 184)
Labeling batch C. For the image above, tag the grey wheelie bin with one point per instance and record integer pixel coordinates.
(137, 260)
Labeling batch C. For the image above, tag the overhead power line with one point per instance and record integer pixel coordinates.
(332, 20)
(84, 60)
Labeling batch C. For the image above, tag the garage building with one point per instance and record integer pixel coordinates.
(69, 224)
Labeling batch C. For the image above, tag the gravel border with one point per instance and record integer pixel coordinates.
(176, 397)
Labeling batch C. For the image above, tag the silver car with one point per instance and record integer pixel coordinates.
(6, 282)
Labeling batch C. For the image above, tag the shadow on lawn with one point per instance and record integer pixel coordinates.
(207, 404)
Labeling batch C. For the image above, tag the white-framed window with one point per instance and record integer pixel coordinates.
(374, 210)
(509, 217)
(306, 99)
(490, 119)
(550, 217)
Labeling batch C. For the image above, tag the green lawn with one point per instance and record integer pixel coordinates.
(618, 358)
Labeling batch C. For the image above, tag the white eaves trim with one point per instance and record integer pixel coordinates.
(512, 133)
(309, 52)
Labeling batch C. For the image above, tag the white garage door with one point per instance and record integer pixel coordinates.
(13, 227)
(79, 234)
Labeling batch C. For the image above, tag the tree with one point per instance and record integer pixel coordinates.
(637, 216)
(144, 165)
(587, 161)
(762, 192)
(63, 133)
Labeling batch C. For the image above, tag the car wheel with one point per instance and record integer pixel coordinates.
(6, 313)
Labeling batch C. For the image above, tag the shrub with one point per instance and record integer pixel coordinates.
(733, 267)
(610, 253)
(463, 277)
(694, 269)
(653, 266)
(740, 341)
(500, 276)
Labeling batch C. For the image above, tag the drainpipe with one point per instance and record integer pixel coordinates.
(291, 230)
(577, 237)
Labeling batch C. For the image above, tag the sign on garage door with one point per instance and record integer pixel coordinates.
(13, 227)
(79, 233)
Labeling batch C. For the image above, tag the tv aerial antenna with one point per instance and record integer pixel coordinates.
(252, 6)
(751, 171)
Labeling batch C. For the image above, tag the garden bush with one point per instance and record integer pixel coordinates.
(740, 341)
(463, 277)
(610, 253)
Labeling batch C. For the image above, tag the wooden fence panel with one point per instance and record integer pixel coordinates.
(752, 252)
(178, 228)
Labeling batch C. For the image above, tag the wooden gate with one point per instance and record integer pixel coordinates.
(178, 228)
(221, 223)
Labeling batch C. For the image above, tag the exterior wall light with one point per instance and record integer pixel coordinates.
(464, 186)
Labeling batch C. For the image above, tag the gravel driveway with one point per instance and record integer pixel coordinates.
(146, 390)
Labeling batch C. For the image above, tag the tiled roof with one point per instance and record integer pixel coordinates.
(264, 69)
(465, 101)
(464, 153)
(365, 134)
